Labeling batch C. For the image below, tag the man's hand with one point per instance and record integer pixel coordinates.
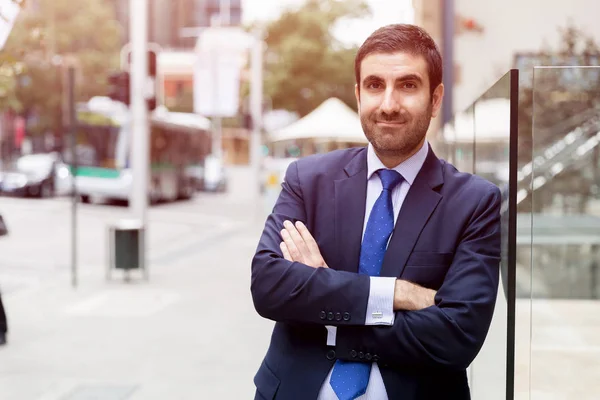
(299, 245)
(412, 297)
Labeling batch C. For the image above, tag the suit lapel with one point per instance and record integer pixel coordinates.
(420, 202)
(350, 200)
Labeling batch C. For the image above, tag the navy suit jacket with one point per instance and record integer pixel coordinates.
(446, 237)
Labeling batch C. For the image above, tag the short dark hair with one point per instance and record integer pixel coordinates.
(403, 38)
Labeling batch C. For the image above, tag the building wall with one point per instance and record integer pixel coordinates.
(513, 26)
(428, 15)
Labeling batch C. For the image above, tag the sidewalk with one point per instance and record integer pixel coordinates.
(191, 332)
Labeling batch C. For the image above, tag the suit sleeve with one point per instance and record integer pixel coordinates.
(287, 291)
(450, 333)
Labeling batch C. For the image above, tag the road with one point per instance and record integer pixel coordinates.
(176, 336)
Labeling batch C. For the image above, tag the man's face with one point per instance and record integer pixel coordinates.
(395, 103)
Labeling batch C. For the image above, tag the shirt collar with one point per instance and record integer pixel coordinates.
(409, 168)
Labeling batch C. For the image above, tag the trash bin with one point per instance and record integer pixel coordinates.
(126, 247)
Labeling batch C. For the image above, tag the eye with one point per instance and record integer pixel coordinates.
(374, 85)
(409, 85)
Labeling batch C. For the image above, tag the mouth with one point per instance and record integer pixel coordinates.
(389, 123)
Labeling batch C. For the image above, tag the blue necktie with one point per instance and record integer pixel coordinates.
(349, 380)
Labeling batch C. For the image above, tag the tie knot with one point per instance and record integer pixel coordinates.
(389, 178)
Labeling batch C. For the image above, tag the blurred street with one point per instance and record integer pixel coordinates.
(138, 340)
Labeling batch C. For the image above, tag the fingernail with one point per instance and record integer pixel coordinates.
(299, 224)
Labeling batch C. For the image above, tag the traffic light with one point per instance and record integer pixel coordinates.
(119, 87)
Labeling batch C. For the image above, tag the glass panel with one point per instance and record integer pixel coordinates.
(566, 233)
(494, 158)
(455, 140)
(483, 140)
(443, 143)
(464, 140)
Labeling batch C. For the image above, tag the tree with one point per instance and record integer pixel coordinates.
(46, 34)
(9, 68)
(304, 63)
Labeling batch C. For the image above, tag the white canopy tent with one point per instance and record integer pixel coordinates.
(332, 121)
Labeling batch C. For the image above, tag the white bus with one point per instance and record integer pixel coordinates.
(179, 143)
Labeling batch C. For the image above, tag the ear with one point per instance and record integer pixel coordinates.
(357, 95)
(436, 100)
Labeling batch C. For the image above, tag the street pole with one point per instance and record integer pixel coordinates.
(217, 142)
(256, 100)
(70, 86)
(217, 137)
(448, 17)
(138, 198)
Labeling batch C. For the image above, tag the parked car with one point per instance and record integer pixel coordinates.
(36, 175)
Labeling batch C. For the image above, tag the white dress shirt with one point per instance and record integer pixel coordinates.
(380, 305)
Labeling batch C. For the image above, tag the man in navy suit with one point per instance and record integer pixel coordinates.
(379, 265)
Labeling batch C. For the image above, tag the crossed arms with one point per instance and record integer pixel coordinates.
(447, 332)
(298, 245)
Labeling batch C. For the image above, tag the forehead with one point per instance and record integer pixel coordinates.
(393, 65)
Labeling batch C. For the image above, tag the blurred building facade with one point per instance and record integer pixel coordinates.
(485, 43)
(428, 14)
(173, 23)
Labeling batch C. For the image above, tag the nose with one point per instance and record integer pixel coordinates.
(389, 104)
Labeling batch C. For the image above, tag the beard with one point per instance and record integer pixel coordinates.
(401, 140)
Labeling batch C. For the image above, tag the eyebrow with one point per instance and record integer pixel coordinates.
(403, 78)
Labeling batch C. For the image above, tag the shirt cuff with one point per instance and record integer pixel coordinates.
(380, 306)
(331, 334)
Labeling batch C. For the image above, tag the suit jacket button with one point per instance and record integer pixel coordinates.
(361, 354)
(353, 353)
(330, 316)
(346, 316)
(331, 354)
(375, 358)
(323, 315)
(368, 356)
(338, 316)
